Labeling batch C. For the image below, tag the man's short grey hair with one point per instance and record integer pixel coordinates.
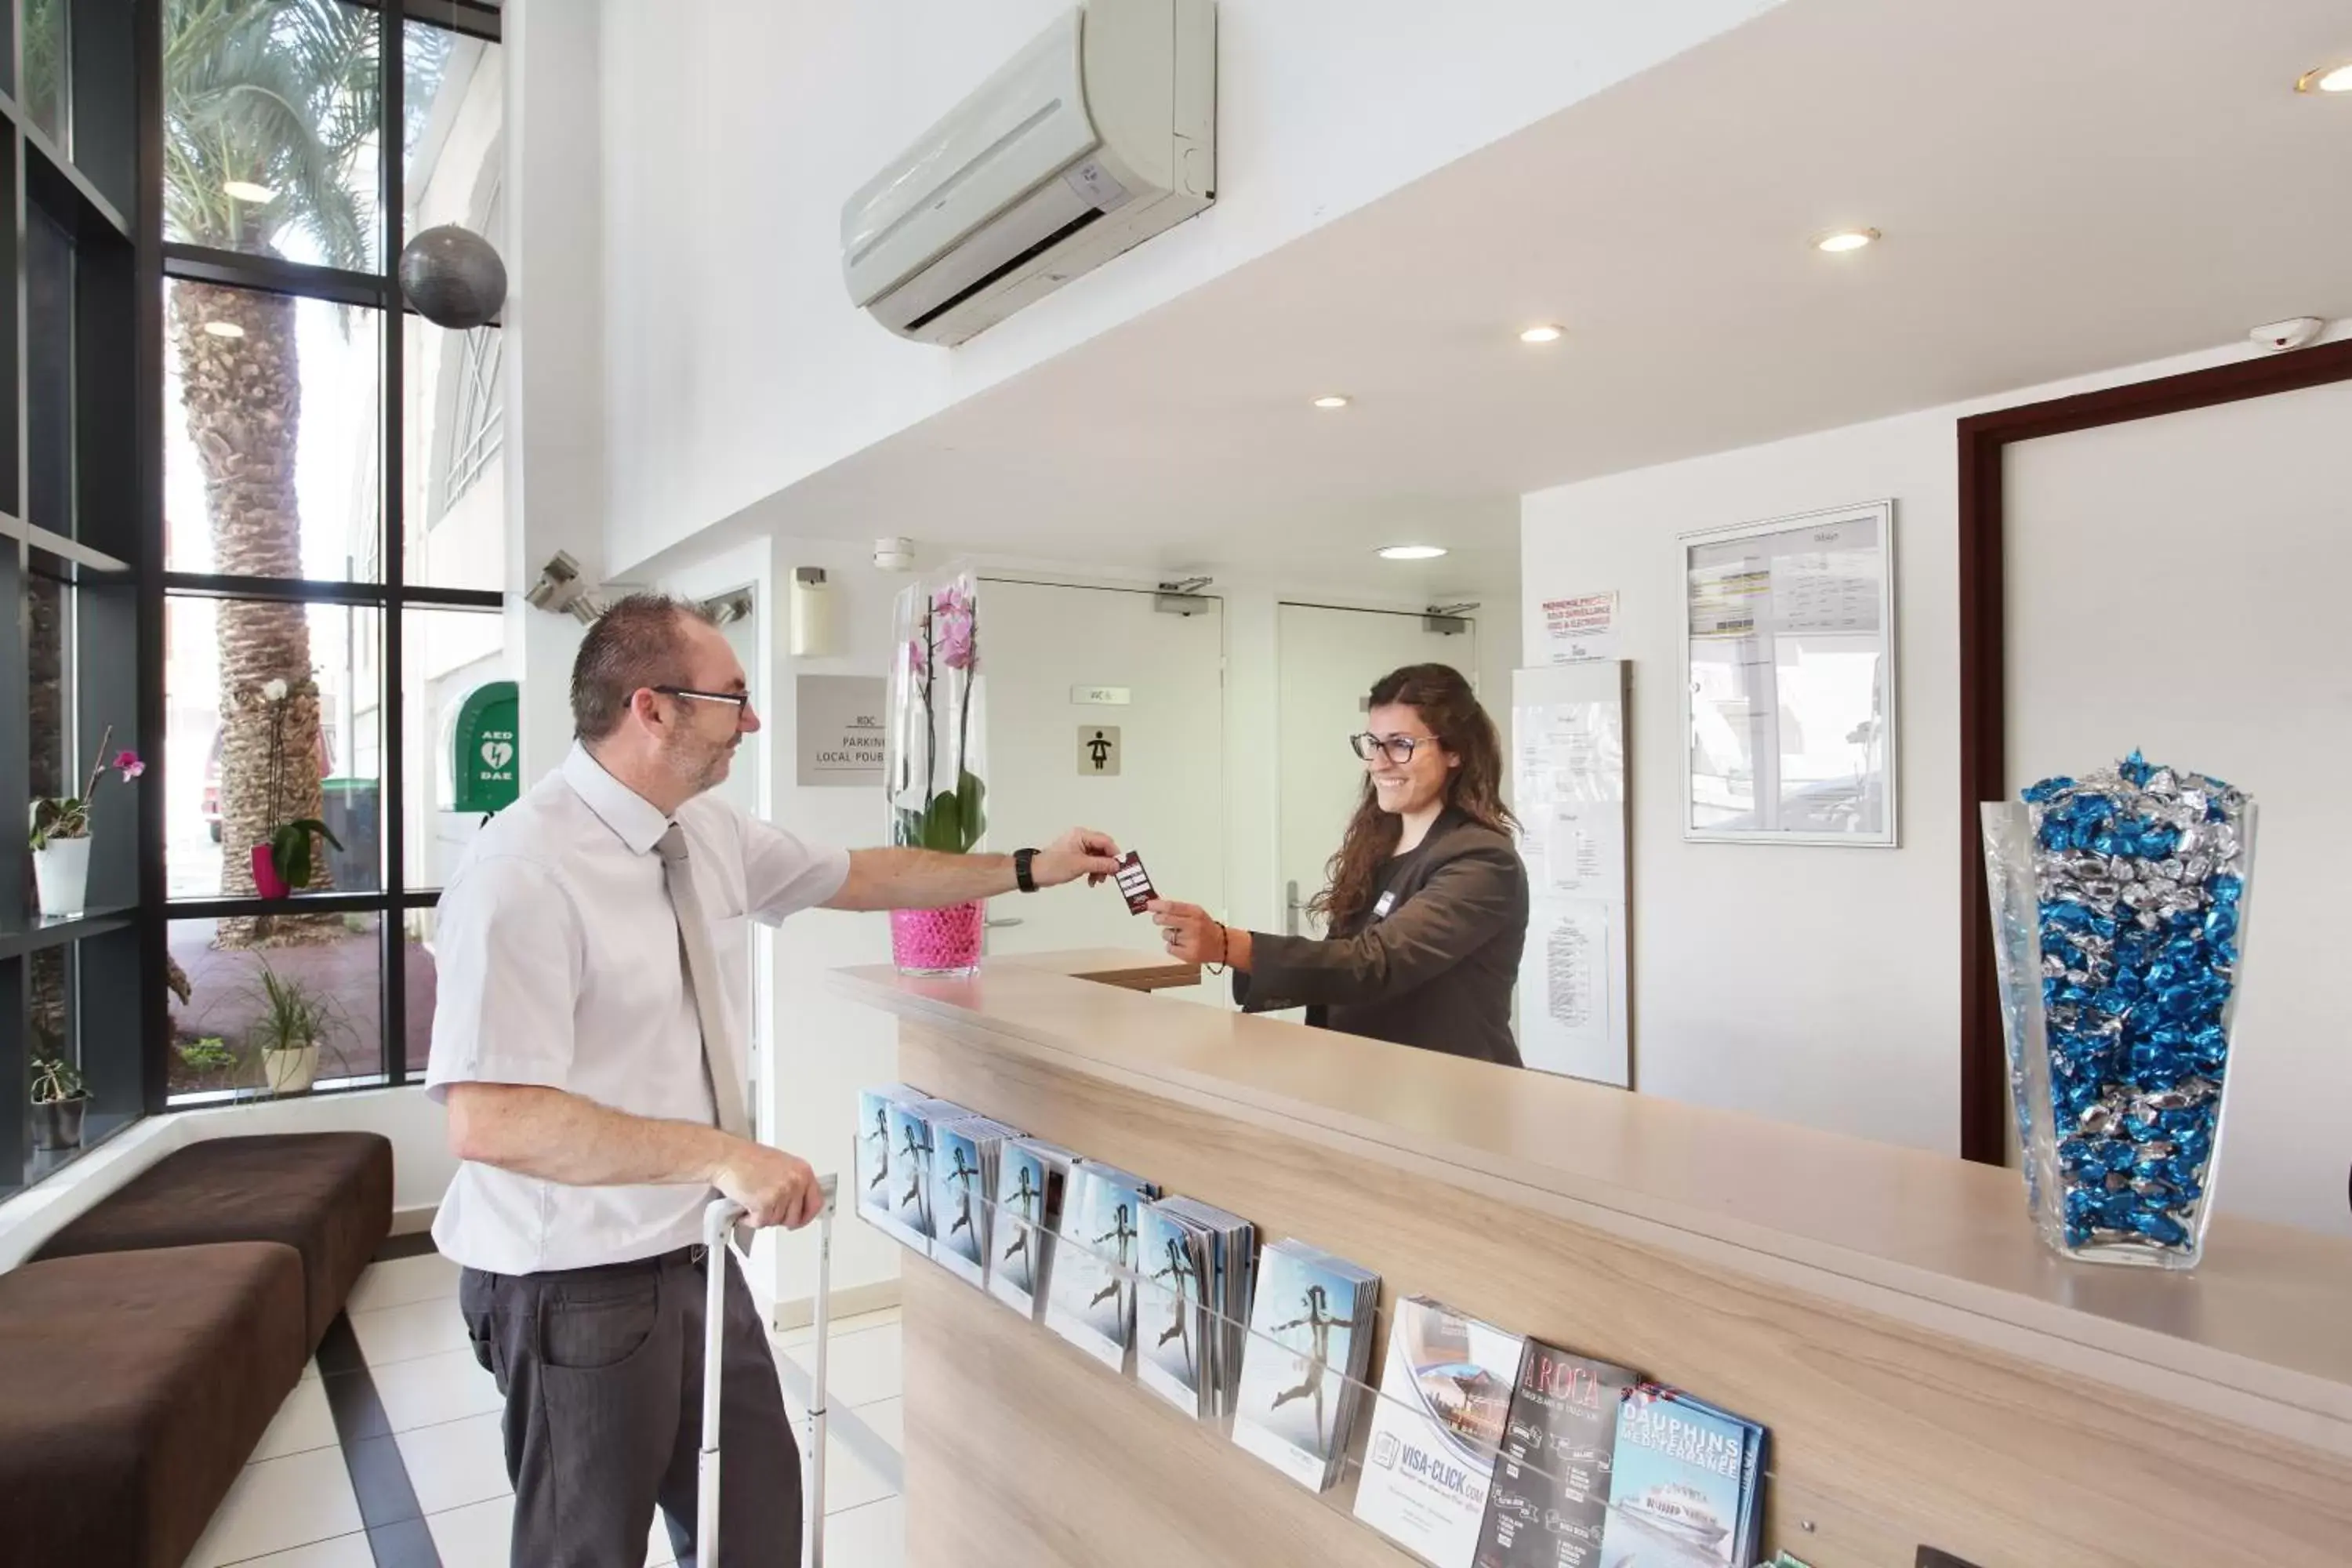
(639, 642)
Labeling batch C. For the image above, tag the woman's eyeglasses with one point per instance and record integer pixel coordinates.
(1400, 748)
(738, 700)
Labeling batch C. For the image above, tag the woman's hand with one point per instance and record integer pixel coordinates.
(1193, 936)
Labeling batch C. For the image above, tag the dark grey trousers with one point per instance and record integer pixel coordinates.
(601, 1371)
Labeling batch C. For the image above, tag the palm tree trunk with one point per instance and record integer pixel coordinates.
(243, 394)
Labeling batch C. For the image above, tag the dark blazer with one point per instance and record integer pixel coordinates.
(1436, 971)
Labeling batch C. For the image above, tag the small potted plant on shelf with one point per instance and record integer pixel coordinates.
(59, 1097)
(60, 836)
(295, 1024)
(283, 863)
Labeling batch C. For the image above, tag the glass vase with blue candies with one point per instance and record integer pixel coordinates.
(2119, 907)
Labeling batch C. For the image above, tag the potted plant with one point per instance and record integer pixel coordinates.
(59, 1097)
(208, 1060)
(60, 836)
(295, 1024)
(938, 798)
(283, 863)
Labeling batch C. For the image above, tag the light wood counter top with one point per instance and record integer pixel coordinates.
(2261, 1334)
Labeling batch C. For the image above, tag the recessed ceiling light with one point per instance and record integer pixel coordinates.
(2326, 78)
(1413, 553)
(223, 328)
(247, 191)
(1332, 400)
(1844, 239)
(1544, 334)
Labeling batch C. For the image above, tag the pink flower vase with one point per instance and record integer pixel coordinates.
(938, 943)
(266, 879)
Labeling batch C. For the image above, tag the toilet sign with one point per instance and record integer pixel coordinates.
(482, 753)
(1097, 751)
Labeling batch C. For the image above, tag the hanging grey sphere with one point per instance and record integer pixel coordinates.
(453, 276)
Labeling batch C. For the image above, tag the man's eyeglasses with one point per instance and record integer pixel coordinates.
(1400, 748)
(738, 700)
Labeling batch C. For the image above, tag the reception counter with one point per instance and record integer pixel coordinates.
(1930, 1372)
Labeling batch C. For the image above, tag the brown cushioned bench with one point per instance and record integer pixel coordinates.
(326, 1195)
(148, 1345)
(132, 1387)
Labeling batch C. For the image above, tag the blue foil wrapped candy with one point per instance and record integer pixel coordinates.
(2118, 912)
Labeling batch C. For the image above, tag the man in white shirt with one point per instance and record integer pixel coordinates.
(584, 1045)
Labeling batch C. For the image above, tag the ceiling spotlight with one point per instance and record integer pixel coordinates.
(247, 191)
(1332, 400)
(1546, 334)
(2326, 78)
(1838, 241)
(224, 330)
(1412, 551)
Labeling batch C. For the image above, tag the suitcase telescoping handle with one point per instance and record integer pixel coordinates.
(717, 1220)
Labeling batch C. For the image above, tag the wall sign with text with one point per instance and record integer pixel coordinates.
(840, 730)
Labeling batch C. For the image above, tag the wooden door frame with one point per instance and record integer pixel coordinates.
(1984, 438)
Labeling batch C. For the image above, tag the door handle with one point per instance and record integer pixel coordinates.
(999, 925)
(1290, 908)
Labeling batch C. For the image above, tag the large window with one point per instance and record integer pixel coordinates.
(332, 522)
(251, 529)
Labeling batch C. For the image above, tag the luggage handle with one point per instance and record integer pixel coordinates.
(720, 1217)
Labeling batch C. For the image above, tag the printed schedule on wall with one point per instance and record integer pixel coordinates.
(1789, 679)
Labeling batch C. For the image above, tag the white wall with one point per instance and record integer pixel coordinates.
(1816, 986)
(553, 362)
(733, 129)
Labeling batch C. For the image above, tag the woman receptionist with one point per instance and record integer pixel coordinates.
(1427, 906)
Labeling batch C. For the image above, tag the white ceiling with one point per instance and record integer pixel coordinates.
(2063, 188)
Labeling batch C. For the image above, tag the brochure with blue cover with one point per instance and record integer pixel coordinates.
(1311, 1329)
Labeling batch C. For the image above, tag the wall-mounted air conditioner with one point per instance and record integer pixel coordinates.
(1098, 135)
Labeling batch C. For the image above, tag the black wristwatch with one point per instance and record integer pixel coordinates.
(1023, 876)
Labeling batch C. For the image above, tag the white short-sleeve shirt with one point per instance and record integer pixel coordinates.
(559, 965)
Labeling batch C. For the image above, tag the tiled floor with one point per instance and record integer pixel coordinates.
(295, 1506)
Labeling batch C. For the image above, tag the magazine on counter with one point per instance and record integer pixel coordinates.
(1090, 1299)
(1436, 1429)
(1312, 1331)
(1682, 1488)
(908, 1178)
(871, 1154)
(963, 1174)
(1190, 1257)
(1032, 1177)
(1549, 1502)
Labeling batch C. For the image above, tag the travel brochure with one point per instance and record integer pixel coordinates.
(1482, 1450)
(1192, 1304)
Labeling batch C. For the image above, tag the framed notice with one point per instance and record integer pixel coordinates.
(1568, 770)
(1789, 717)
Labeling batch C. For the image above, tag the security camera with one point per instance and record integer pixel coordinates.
(895, 554)
(2280, 336)
(560, 584)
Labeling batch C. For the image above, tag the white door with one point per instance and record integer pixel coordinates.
(1104, 712)
(1329, 659)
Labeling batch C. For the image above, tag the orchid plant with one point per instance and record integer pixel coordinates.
(290, 848)
(936, 797)
(68, 816)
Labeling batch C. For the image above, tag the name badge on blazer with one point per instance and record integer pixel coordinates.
(1387, 902)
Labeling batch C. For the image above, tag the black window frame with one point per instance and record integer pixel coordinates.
(391, 594)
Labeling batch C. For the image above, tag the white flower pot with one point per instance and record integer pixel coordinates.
(61, 869)
(290, 1072)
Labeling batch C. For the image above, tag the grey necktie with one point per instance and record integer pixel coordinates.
(702, 979)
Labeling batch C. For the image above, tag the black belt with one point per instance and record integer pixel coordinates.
(689, 1256)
